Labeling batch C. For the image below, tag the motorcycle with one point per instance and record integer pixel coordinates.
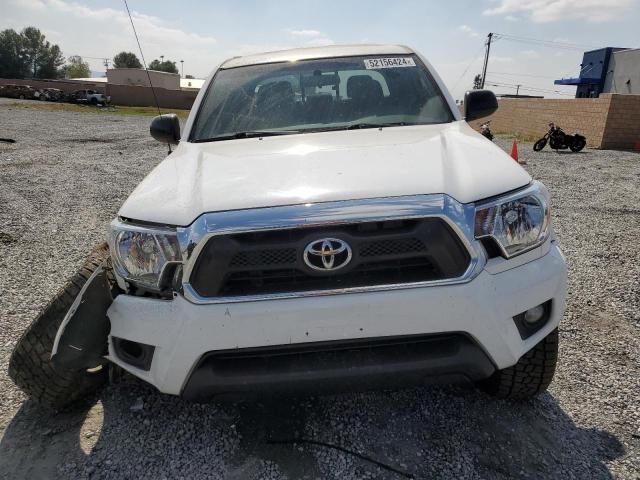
(558, 140)
(486, 131)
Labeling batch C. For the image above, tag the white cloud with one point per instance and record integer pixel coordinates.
(468, 30)
(304, 33)
(553, 10)
(308, 37)
(530, 53)
(103, 32)
(511, 18)
(499, 59)
(319, 42)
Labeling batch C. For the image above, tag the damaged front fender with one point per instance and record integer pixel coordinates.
(81, 340)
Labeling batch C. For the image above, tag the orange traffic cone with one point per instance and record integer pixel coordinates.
(514, 150)
(514, 153)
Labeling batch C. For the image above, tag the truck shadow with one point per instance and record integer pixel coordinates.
(424, 432)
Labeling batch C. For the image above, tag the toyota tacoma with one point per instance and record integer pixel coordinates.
(327, 220)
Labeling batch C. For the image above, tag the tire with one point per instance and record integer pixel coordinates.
(539, 145)
(30, 365)
(578, 145)
(530, 376)
(94, 101)
(21, 97)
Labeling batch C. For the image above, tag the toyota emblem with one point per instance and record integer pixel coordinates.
(327, 254)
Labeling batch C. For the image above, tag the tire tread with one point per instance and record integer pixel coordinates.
(30, 364)
(530, 376)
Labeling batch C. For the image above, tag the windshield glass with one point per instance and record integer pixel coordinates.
(317, 95)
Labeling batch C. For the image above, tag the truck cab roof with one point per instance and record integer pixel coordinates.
(312, 53)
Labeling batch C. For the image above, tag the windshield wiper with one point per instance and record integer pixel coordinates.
(357, 126)
(248, 134)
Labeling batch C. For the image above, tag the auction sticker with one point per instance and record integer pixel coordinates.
(389, 62)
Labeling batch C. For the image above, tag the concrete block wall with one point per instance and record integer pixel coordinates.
(531, 117)
(610, 121)
(622, 130)
(139, 96)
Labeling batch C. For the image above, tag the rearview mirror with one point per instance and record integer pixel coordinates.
(479, 103)
(166, 128)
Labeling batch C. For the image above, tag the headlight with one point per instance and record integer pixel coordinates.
(517, 222)
(141, 254)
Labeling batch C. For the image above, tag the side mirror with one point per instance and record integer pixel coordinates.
(166, 128)
(479, 103)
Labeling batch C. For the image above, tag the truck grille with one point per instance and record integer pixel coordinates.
(383, 253)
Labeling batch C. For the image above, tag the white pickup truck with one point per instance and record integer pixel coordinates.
(328, 220)
(90, 96)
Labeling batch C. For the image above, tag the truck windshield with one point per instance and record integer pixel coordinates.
(319, 95)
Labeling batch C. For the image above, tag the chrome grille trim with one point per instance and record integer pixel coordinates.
(460, 218)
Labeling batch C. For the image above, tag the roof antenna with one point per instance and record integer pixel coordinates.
(144, 62)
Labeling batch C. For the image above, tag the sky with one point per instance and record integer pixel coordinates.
(451, 34)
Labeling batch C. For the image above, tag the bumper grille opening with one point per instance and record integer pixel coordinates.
(384, 253)
(355, 364)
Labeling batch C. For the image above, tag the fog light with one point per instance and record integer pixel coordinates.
(137, 354)
(532, 320)
(534, 314)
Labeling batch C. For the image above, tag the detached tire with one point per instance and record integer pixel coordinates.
(530, 376)
(30, 364)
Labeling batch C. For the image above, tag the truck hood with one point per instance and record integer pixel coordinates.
(320, 167)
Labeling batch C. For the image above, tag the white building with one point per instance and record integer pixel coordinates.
(623, 75)
(138, 76)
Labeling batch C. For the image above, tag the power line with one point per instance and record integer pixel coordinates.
(144, 62)
(497, 83)
(94, 58)
(544, 43)
(525, 87)
(475, 59)
(520, 74)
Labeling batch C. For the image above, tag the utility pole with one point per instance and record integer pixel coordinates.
(486, 59)
(518, 89)
(162, 58)
(182, 68)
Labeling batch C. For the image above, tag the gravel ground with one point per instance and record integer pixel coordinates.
(63, 181)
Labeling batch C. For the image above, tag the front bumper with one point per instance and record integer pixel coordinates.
(185, 334)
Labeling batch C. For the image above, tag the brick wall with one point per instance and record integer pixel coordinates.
(622, 130)
(610, 121)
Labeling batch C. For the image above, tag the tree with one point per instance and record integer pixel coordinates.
(126, 60)
(166, 66)
(77, 68)
(50, 63)
(28, 54)
(477, 82)
(12, 62)
(39, 54)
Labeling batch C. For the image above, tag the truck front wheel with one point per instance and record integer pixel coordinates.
(530, 376)
(30, 365)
